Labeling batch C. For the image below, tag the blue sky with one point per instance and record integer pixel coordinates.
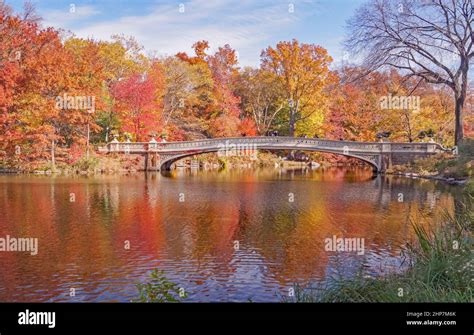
(247, 25)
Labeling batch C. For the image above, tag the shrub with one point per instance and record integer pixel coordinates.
(86, 164)
(466, 148)
(158, 289)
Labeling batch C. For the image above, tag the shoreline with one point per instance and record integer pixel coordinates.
(293, 165)
(412, 175)
(207, 166)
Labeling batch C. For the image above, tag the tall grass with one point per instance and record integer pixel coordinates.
(441, 269)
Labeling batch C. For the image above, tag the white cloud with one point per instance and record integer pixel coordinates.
(68, 16)
(245, 25)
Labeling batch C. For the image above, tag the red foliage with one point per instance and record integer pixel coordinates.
(247, 127)
(225, 126)
(138, 103)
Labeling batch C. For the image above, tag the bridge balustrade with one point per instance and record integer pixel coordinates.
(374, 147)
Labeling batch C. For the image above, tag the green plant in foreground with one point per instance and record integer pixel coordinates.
(470, 187)
(159, 289)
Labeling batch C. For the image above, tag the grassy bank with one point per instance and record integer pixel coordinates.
(441, 269)
(92, 165)
(444, 165)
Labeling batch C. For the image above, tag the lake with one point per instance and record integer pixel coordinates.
(236, 235)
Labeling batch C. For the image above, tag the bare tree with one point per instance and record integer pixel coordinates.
(262, 97)
(429, 39)
(29, 12)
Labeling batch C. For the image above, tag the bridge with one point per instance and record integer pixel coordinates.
(380, 155)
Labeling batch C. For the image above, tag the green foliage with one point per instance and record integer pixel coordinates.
(466, 148)
(470, 187)
(463, 165)
(48, 166)
(86, 164)
(460, 170)
(158, 289)
(444, 164)
(105, 120)
(223, 162)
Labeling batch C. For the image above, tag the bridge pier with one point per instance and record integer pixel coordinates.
(151, 162)
(385, 162)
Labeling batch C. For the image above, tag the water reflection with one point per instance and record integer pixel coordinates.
(187, 223)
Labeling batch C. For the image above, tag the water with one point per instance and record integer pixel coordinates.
(222, 236)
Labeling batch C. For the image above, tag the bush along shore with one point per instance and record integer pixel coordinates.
(440, 269)
(454, 169)
(124, 164)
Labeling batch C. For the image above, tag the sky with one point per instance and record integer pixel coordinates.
(168, 27)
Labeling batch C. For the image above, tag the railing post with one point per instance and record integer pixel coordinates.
(152, 146)
(113, 145)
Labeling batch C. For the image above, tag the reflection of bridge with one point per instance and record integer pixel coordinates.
(381, 155)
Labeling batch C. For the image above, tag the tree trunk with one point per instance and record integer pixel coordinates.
(292, 122)
(458, 129)
(88, 140)
(460, 97)
(53, 158)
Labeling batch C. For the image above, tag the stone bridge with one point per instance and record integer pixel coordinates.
(381, 155)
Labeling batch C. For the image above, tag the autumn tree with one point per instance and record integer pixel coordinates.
(188, 96)
(356, 111)
(223, 114)
(432, 40)
(303, 71)
(121, 57)
(87, 77)
(354, 107)
(138, 99)
(223, 65)
(262, 97)
(34, 68)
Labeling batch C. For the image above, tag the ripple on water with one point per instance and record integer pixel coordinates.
(281, 242)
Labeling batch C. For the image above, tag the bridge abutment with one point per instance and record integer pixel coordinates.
(151, 162)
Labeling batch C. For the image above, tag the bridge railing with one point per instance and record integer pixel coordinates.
(277, 141)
